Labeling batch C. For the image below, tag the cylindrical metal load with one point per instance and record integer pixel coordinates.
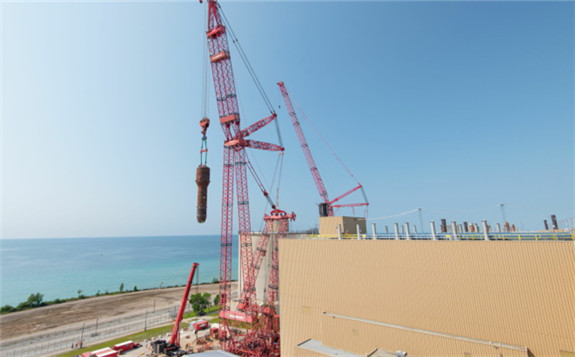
(443, 225)
(554, 221)
(323, 210)
(202, 180)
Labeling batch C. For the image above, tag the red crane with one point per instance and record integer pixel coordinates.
(327, 207)
(175, 337)
(257, 341)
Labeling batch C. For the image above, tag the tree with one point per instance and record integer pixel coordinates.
(35, 300)
(122, 287)
(135, 288)
(217, 300)
(200, 302)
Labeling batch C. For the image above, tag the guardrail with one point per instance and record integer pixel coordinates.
(515, 236)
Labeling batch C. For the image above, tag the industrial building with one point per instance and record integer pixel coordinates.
(427, 298)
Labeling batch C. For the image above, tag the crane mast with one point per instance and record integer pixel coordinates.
(228, 112)
(235, 165)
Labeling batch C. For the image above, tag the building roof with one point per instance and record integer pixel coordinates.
(215, 353)
(318, 346)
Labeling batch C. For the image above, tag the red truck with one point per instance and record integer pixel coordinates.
(125, 346)
(104, 352)
(200, 325)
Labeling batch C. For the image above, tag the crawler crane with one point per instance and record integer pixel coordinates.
(262, 336)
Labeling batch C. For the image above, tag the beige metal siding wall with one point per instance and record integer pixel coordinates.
(328, 225)
(516, 293)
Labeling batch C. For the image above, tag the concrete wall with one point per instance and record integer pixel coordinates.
(429, 298)
(264, 272)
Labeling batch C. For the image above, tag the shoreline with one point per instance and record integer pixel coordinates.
(58, 301)
(16, 325)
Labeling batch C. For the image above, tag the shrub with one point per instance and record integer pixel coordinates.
(7, 308)
(200, 302)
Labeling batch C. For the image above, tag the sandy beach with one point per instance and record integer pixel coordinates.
(40, 320)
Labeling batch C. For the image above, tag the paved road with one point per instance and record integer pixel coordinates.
(93, 329)
(62, 340)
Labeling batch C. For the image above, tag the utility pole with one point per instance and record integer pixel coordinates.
(503, 212)
(82, 335)
(420, 219)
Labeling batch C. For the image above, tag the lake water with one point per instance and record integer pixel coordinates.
(58, 268)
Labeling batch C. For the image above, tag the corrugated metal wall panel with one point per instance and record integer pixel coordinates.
(520, 293)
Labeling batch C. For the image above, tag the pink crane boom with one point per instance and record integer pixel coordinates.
(256, 342)
(327, 207)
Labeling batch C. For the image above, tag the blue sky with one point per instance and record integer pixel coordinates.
(454, 107)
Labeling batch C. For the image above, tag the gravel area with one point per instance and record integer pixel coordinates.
(52, 318)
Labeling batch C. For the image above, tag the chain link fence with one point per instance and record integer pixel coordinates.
(90, 332)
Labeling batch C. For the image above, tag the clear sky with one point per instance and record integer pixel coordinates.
(452, 107)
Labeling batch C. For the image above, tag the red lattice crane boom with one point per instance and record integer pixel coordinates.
(175, 337)
(327, 207)
(235, 164)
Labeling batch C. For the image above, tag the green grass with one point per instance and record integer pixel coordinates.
(208, 311)
(137, 337)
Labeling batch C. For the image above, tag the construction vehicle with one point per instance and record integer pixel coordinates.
(262, 335)
(125, 346)
(175, 336)
(172, 346)
(200, 325)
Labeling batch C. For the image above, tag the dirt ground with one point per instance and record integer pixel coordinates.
(17, 324)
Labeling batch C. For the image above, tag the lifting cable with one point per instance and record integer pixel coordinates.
(260, 88)
(328, 146)
(245, 60)
(205, 122)
(251, 71)
(259, 182)
(203, 171)
(394, 215)
(278, 174)
(205, 97)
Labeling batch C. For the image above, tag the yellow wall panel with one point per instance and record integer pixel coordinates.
(514, 293)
